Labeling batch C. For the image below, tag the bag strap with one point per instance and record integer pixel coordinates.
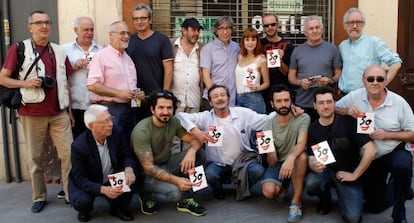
(35, 61)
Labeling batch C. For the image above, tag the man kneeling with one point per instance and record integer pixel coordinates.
(96, 153)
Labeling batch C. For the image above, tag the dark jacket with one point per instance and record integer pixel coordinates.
(86, 173)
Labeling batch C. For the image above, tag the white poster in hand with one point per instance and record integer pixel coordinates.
(366, 123)
(264, 141)
(217, 134)
(117, 180)
(198, 178)
(273, 58)
(323, 153)
(249, 76)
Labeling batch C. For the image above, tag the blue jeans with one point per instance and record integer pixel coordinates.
(218, 175)
(252, 100)
(380, 194)
(350, 196)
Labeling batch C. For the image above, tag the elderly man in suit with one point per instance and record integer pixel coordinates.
(96, 153)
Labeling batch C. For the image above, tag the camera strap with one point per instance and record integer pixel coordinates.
(35, 61)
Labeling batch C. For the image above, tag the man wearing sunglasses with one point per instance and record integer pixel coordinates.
(360, 51)
(271, 41)
(394, 127)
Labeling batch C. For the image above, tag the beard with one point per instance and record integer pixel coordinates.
(283, 111)
(163, 118)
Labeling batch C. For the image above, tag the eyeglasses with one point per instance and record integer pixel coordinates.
(379, 79)
(357, 23)
(140, 18)
(106, 121)
(224, 28)
(270, 25)
(39, 23)
(122, 33)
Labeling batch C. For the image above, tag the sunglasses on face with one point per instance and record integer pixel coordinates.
(379, 79)
(269, 25)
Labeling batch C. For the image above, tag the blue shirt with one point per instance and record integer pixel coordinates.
(358, 55)
(77, 81)
(221, 60)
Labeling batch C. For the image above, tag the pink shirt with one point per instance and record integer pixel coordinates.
(112, 69)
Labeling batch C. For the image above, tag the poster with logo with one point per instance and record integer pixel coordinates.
(323, 153)
(265, 141)
(117, 180)
(273, 58)
(249, 76)
(198, 178)
(217, 134)
(366, 123)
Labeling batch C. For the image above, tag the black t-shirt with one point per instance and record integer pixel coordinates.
(344, 142)
(275, 76)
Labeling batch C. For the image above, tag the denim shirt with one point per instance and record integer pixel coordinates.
(358, 55)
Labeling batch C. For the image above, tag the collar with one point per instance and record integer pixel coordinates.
(357, 41)
(116, 51)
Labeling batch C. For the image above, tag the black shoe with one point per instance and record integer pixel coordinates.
(219, 194)
(190, 206)
(148, 206)
(324, 206)
(122, 214)
(84, 216)
(67, 202)
(38, 206)
(400, 221)
(61, 195)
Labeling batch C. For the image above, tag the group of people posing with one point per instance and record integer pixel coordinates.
(144, 105)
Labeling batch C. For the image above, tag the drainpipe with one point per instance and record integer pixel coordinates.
(6, 25)
(16, 153)
(6, 35)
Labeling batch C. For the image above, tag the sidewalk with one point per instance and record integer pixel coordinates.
(16, 202)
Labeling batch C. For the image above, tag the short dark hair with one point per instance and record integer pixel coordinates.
(30, 19)
(279, 88)
(217, 86)
(324, 90)
(154, 96)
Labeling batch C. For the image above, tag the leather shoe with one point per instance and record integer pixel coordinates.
(84, 216)
(38, 206)
(401, 221)
(122, 214)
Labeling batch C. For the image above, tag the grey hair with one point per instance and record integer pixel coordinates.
(30, 18)
(77, 21)
(143, 6)
(351, 10)
(222, 19)
(92, 112)
(311, 18)
(112, 27)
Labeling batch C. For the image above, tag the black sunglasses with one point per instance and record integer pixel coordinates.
(269, 25)
(164, 94)
(378, 78)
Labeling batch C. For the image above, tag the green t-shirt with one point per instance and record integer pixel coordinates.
(148, 137)
(285, 138)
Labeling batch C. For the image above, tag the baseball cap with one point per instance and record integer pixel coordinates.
(192, 22)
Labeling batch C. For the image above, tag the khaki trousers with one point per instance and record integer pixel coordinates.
(35, 129)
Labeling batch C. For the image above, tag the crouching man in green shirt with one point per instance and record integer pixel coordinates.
(166, 177)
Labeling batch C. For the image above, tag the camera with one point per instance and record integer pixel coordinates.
(48, 82)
